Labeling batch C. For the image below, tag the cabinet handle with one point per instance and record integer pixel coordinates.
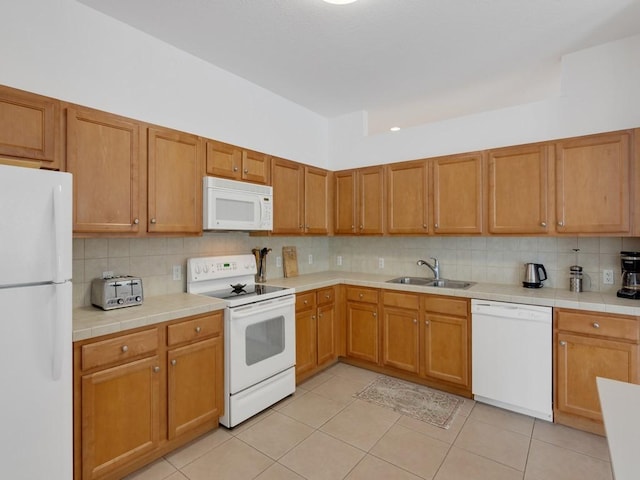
(563, 343)
(174, 362)
(198, 329)
(596, 325)
(235, 169)
(153, 220)
(125, 349)
(561, 223)
(543, 224)
(156, 369)
(136, 221)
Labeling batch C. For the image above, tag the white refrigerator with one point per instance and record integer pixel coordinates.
(36, 401)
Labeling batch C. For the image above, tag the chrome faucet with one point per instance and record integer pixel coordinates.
(435, 268)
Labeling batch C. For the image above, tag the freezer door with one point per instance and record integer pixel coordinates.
(35, 226)
(36, 403)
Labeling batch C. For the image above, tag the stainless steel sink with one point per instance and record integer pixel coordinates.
(430, 282)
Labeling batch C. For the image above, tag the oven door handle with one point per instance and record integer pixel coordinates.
(261, 307)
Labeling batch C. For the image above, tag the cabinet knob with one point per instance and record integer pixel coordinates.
(415, 320)
(313, 317)
(543, 224)
(561, 223)
(300, 226)
(306, 302)
(319, 316)
(153, 220)
(174, 362)
(426, 322)
(327, 296)
(375, 314)
(361, 227)
(361, 295)
(436, 226)
(136, 221)
(156, 369)
(424, 225)
(198, 329)
(246, 170)
(596, 325)
(563, 343)
(353, 227)
(235, 169)
(125, 349)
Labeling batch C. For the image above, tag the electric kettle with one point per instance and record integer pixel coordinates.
(534, 275)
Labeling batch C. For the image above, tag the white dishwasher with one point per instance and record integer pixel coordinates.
(511, 357)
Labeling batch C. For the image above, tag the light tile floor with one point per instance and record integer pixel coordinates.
(323, 432)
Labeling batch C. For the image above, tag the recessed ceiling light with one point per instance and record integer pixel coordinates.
(395, 129)
(340, 2)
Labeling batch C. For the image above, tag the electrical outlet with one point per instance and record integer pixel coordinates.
(310, 259)
(177, 272)
(278, 262)
(339, 260)
(607, 277)
(107, 274)
(380, 262)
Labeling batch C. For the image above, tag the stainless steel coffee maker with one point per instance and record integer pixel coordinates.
(630, 265)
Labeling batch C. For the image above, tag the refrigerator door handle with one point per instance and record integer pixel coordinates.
(59, 235)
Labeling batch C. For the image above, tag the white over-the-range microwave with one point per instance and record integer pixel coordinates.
(234, 205)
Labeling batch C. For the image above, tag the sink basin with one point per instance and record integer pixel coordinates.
(430, 282)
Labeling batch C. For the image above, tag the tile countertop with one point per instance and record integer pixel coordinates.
(89, 322)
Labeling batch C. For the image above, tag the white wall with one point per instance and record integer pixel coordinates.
(599, 93)
(67, 50)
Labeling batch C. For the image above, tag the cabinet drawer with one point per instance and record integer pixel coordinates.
(356, 294)
(194, 329)
(119, 349)
(403, 300)
(305, 301)
(446, 305)
(326, 296)
(602, 325)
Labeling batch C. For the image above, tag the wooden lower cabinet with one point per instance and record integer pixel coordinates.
(401, 331)
(446, 348)
(140, 394)
(363, 329)
(316, 331)
(589, 345)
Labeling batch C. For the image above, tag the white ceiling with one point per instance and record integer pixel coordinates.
(406, 62)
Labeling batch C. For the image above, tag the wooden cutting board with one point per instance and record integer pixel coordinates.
(290, 261)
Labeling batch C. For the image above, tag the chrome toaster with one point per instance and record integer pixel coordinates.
(116, 292)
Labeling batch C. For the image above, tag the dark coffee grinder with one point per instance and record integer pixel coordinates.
(630, 262)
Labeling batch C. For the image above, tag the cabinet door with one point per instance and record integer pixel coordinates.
(371, 200)
(446, 348)
(345, 202)
(400, 338)
(457, 194)
(579, 361)
(175, 163)
(195, 385)
(256, 167)
(407, 198)
(326, 343)
(29, 126)
(592, 184)
(223, 160)
(316, 198)
(120, 415)
(519, 190)
(103, 154)
(288, 196)
(305, 341)
(362, 332)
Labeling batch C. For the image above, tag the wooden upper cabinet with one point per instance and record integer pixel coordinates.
(457, 194)
(317, 217)
(175, 171)
(30, 127)
(288, 196)
(359, 201)
(592, 184)
(407, 197)
(229, 161)
(519, 189)
(103, 154)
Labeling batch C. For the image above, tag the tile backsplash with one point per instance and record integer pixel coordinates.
(479, 259)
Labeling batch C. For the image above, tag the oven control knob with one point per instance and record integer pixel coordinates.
(120, 301)
(138, 298)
